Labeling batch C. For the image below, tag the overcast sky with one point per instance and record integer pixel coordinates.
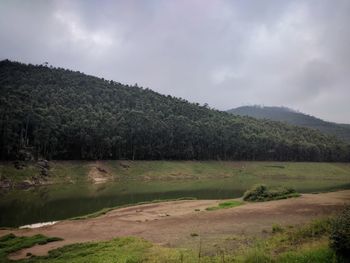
(224, 53)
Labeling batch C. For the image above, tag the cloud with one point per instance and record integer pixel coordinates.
(225, 53)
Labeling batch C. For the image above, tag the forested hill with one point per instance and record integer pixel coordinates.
(342, 131)
(61, 114)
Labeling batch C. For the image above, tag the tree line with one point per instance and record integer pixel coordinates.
(56, 113)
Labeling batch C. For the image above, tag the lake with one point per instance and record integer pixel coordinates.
(62, 201)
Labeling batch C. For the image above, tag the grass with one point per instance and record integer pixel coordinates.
(10, 243)
(60, 171)
(72, 171)
(7, 170)
(224, 205)
(307, 243)
(319, 254)
(168, 170)
(119, 250)
(301, 244)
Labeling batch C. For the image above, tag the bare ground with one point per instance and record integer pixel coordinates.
(99, 173)
(171, 223)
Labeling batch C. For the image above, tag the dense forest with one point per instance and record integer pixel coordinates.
(56, 113)
(342, 131)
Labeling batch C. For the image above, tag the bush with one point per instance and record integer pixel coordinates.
(340, 234)
(262, 193)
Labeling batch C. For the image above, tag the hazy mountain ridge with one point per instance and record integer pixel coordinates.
(61, 114)
(290, 116)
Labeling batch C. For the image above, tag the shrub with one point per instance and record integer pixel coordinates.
(263, 193)
(340, 234)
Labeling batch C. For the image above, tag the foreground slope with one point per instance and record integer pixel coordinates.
(342, 131)
(61, 114)
(172, 223)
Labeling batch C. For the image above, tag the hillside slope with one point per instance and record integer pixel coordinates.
(342, 131)
(60, 114)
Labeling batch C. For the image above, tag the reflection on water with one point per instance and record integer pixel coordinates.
(57, 202)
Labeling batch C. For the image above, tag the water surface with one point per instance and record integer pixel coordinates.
(57, 202)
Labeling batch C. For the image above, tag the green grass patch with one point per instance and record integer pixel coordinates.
(8, 171)
(11, 243)
(318, 254)
(261, 193)
(168, 170)
(307, 243)
(224, 205)
(255, 255)
(118, 250)
(72, 171)
(59, 172)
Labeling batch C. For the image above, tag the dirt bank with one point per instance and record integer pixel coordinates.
(171, 223)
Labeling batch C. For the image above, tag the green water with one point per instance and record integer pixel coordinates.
(56, 202)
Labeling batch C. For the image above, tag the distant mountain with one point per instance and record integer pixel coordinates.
(283, 114)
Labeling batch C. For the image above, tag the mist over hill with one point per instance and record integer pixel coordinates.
(290, 116)
(56, 113)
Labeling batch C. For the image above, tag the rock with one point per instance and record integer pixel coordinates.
(163, 215)
(44, 167)
(44, 172)
(19, 165)
(5, 183)
(43, 164)
(24, 185)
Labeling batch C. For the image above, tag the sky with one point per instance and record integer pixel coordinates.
(224, 53)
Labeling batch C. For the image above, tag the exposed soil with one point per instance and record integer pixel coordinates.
(171, 223)
(99, 174)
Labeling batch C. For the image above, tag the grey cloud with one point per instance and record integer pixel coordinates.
(225, 53)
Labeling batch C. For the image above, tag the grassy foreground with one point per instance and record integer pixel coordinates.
(308, 243)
